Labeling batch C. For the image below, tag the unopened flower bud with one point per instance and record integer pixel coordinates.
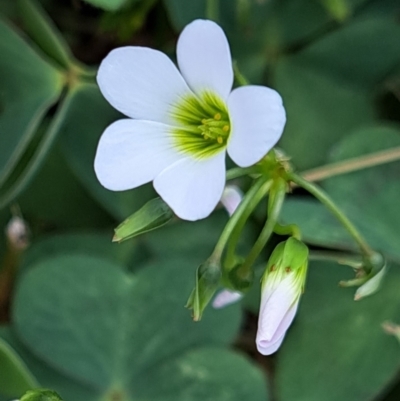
(152, 215)
(226, 297)
(282, 285)
(392, 329)
(41, 395)
(208, 278)
(372, 285)
(231, 197)
(17, 233)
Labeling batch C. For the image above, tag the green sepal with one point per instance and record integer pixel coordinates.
(238, 279)
(290, 256)
(41, 395)
(369, 276)
(290, 253)
(239, 282)
(372, 285)
(295, 254)
(152, 215)
(208, 277)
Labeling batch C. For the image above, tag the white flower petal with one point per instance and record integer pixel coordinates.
(204, 58)
(268, 347)
(275, 306)
(192, 187)
(132, 152)
(231, 198)
(257, 120)
(142, 83)
(225, 298)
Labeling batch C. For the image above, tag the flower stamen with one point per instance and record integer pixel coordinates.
(204, 124)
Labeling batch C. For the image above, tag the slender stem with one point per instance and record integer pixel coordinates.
(212, 10)
(353, 164)
(289, 229)
(324, 199)
(268, 229)
(235, 234)
(342, 258)
(240, 78)
(237, 172)
(247, 202)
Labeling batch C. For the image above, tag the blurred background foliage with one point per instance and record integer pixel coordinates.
(99, 321)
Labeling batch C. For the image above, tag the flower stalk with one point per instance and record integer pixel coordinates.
(328, 202)
(275, 204)
(259, 189)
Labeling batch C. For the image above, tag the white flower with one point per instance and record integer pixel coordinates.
(17, 233)
(226, 297)
(231, 198)
(277, 310)
(282, 286)
(181, 124)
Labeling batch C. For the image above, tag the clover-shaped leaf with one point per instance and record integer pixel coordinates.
(29, 86)
(334, 340)
(128, 336)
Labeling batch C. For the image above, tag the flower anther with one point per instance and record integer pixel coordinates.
(181, 123)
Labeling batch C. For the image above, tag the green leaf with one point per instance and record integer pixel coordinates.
(154, 214)
(195, 239)
(87, 243)
(41, 395)
(15, 377)
(257, 30)
(319, 110)
(368, 197)
(29, 86)
(105, 329)
(33, 158)
(43, 31)
(109, 5)
(55, 198)
(46, 375)
(318, 225)
(327, 88)
(182, 13)
(346, 54)
(339, 9)
(87, 118)
(337, 344)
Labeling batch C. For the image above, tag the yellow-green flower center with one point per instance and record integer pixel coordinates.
(203, 125)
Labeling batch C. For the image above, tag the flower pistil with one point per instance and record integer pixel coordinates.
(203, 125)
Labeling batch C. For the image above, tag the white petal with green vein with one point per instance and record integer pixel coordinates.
(132, 152)
(193, 187)
(141, 83)
(257, 120)
(204, 58)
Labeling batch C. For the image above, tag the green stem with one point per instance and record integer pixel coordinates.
(353, 164)
(239, 77)
(342, 258)
(248, 202)
(324, 199)
(212, 10)
(237, 172)
(289, 229)
(273, 215)
(237, 230)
